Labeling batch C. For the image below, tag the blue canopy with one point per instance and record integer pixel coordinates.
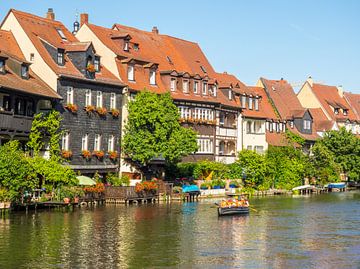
(190, 188)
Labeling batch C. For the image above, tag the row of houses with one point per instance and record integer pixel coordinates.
(90, 74)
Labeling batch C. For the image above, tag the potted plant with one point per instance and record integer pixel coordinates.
(99, 154)
(86, 154)
(204, 186)
(89, 109)
(90, 68)
(139, 188)
(71, 107)
(113, 155)
(101, 111)
(115, 112)
(66, 154)
(234, 184)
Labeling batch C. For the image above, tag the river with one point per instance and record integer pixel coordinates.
(320, 231)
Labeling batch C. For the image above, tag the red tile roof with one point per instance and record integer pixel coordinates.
(283, 97)
(354, 101)
(321, 122)
(33, 85)
(41, 30)
(277, 139)
(329, 96)
(265, 111)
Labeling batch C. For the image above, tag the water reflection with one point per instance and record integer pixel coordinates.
(304, 232)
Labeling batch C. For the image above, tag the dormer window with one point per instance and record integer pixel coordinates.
(203, 68)
(345, 112)
(307, 124)
(173, 84)
(230, 94)
(336, 111)
(126, 45)
(185, 86)
(60, 57)
(292, 124)
(61, 34)
(256, 104)
(2, 66)
(196, 87)
(214, 90)
(136, 47)
(131, 72)
(250, 103)
(271, 127)
(204, 90)
(243, 101)
(25, 71)
(152, 77)
(97, 63)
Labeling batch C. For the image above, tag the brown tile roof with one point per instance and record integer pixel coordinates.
(34, 85)
(277, 139)
(354, 101)
(265, 111)
(329, 95)
(321, 122)
(283, 97)
(41, 30)
(310, 137)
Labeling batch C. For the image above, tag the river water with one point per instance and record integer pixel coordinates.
(321, 231)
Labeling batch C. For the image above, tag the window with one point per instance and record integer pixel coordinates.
(248, 127)
(256, 104)
(152, 77)
(203, 114)
(97, 64)
(136, 47)
(25, 71)
(85, 142)
(204, 88)
(111, 143)
(32, 57)
(185, 86)
(126, 45)
(196, 87)
(259, 149)
(61, 34)
(277, 127)
(203, 69)
(70, 95)
(307, 124)
(2, 66)
(205, 146)
(60, 57)
(250, 103)
(131, 76)
(65, 141)
(345, 112)
(99, 99)
(336, 111)
(243, 101)
(271, 127)
(97, 142)
(221, 148)
(249, 147)
(291, 124)
(6, 102)
(185, 112)
(230, 94)
(20, 106)
(173, 84)
(88, 97)
(222, 118)
(112, 100)
(214, 90)
(29, 108)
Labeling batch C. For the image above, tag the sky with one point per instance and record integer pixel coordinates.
(248, 38)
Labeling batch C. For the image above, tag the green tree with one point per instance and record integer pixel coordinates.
(16, 175)
(326, 170)
(46, 129)
(153, 130)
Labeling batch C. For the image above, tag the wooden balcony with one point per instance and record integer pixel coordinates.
(11, 123)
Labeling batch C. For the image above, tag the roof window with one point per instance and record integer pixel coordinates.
(169, 60)
(203, 69)
(136, 47)
(126, 45)
(61, 34)
(2, 66)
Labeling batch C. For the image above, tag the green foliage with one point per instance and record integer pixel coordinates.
(46, 129)
(345, 150)
(16, 174)
(204, 168)
(218, 182)
(254, 167)
(4, 195)
(69, 192)
(153, 130)
(115, 180)
(294, 138)
(324, 164)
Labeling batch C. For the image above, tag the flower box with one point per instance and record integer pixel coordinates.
(66, 154)
(86, 154)
(113, 155)
(115, 112)
(99, 154)
(72, 108)
(89, 109)
(101, 111)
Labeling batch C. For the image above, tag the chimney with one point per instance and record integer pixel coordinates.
(225, 72)
(155, 30)
(340, 90)
(310, 81)
(50, 14)
(84, 18)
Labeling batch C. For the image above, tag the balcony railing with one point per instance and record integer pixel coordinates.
(17, 123)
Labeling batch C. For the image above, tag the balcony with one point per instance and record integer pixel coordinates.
(14, 123)
(226, 132)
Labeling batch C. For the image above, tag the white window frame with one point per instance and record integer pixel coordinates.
(112, 100)
(230, 94)
(70, 95)
(215, 90)
(243, 101)
(221, 118)
(204, 90)
(111, 143)
(97, 142)
(185, 85)
(65, 141)
(256, 104)
(88, 97)
(250, 101)
(152, 77)
(85, 142)
(173, 84)
(131, 72)
(307, 125)
(99, 99)
(196, 87)
(205, 145)
(97, 64)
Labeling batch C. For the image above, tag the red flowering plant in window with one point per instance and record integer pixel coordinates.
(86, 154)
(90, 68)
(113, 155)
(115, 112)
(89, 108)
(99, 154)
(101, 111)
(71, 107)
(66, 154)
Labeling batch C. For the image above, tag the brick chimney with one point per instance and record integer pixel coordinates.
(340, 90)
(84, 18)
(50, 14)
(155, 30)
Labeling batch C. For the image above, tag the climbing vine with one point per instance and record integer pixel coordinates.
(294, 138)
(45, 129)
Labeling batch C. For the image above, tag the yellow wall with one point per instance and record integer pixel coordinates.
(38, 66)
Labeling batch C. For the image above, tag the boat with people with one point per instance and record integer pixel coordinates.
(233, 206)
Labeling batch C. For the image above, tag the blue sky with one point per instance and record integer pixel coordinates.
(273, 39)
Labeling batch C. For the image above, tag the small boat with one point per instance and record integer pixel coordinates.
(336, 187)
(224, 211)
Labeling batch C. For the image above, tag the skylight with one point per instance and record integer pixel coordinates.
(61, 34)
(203, 68)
